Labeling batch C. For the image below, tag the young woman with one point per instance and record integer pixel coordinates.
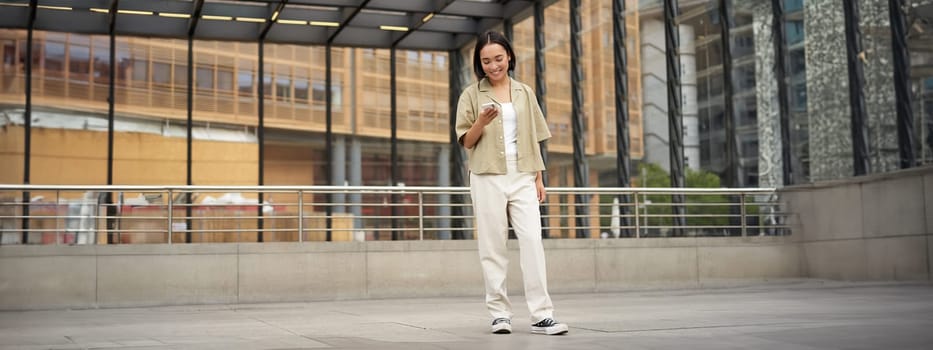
(501, 125)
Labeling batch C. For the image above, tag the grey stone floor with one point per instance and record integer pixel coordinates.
(800, 315)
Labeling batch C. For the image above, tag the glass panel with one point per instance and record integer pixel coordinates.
(101, 61)
(79, 61)
(181, 75)
(54, 59)
(161, 73)
(245, 83)
(140, 69)
(301, 91)
(204, 78)
(224, 80)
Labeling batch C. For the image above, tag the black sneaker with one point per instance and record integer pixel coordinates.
(502, 326)
(550, 327)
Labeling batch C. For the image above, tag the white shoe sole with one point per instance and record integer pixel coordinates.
(502, 328)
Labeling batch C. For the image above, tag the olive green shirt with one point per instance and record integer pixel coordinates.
(488, 155)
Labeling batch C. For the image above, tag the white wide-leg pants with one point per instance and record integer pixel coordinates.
(497, 200)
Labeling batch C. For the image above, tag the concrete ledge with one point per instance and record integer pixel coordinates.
(49, 277)
(46, 281)
(875, 227)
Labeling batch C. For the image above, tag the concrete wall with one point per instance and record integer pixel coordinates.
(868, 228)
(42, 277)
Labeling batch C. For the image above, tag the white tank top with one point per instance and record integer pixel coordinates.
(510, 129)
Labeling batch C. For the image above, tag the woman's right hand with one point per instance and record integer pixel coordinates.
(487, 115)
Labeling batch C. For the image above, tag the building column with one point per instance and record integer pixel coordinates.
(828, 95)
(905, 116)
(623, 146)
(443, 200)
(338, 172)
(581, 177)
(857, 117)
(827, 92)
(541, 94)
(879, 89)
(770, 161)
(356, 179)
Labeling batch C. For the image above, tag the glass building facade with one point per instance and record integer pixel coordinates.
(231, 82)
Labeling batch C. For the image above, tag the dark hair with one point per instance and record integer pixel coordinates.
(491, 37)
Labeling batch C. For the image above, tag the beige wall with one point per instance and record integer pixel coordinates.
(51, 276)
(876, 227)
(79, 157)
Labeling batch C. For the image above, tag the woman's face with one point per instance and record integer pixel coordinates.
(495, 61)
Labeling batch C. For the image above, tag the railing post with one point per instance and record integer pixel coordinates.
(301, 216)
(742, 208)
(171, 210)
(58, 238)
(420, 216)
(637, 221)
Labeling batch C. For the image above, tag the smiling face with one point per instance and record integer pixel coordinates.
(495, 60)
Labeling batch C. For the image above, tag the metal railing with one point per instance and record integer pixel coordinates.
(38, 214)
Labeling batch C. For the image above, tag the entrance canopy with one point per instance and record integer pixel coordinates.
(405, 24)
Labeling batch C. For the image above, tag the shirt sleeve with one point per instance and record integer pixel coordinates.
(466, 115)
(542, 132)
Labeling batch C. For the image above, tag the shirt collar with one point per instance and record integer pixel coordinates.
(485, 85)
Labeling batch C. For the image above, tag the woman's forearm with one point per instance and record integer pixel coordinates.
(472, 136)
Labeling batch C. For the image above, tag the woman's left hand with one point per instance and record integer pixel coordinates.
(539, 185)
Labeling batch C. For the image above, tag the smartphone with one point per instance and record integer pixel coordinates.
(488, 105)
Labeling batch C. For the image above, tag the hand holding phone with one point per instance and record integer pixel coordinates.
(488, 105)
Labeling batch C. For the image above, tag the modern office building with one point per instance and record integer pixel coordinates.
(820, 136)
(259, 111)
(70, 88)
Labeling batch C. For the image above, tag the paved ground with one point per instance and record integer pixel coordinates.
(801, 315)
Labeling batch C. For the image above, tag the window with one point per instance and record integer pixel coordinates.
(798, 62)
(715, 87)
(181, 76)
(336, 97)
(245, 83)
(283, 88)
(319, 93)
(205, 78)
(749, 147)
(161, 73)
(744, 44)
(101, 64)
(798, 97)
(301, 90)
(54, 59)
(748, 111)
(79, 64)
(9, 54)
(140, 69)
(123, 63)
(225, 80)
(745, 78)
(702, 89)
(795, 32)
